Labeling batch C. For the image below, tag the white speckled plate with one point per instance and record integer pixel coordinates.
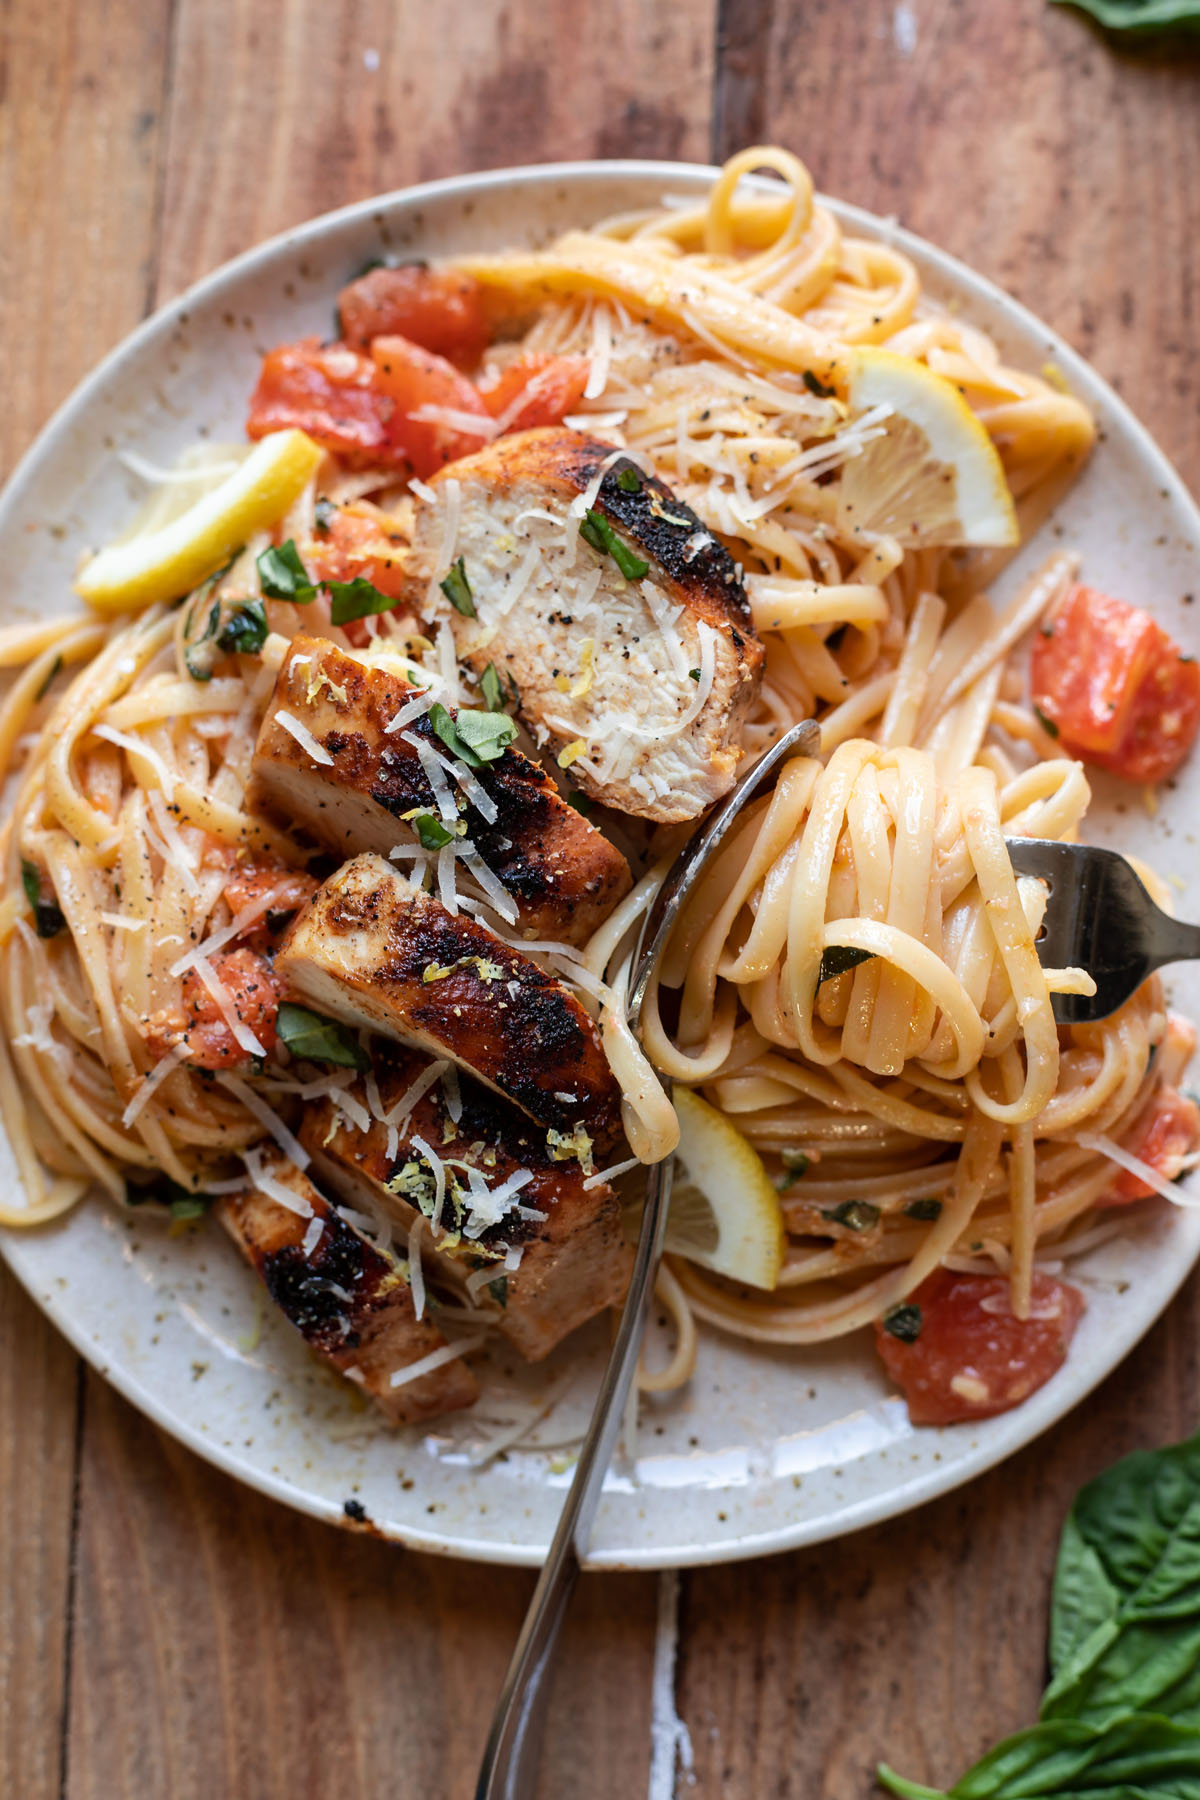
(765, 1449)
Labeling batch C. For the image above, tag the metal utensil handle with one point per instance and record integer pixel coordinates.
(510, 1761)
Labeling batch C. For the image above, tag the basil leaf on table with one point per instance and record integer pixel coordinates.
(314, 1038)
(1121, 1717)
(1140, 16)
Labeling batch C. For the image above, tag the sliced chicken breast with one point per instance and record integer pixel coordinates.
(345, 1298)
(376, 951)
(564, 877)
(574, 1260)
(631, 645)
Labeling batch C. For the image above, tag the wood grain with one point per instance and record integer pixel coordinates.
(80, 91)
(213, 1643)
(328, 103)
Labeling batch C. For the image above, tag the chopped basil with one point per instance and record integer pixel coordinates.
(903, 1322)
(694, 674)
(490, 688)
(1047, 725)
(314, 1038)
(629, 481)
(925, 1210)
(855, 1215)
(245, 628)
(57, 664)
(48, 921)
(595, 530)
(476, 738)
(201, 653)
(432, 833)
(457, 590)
(324, 513)
(816, 386)
(356, 599)
(498, 1289)
(838, 958)
(1141, 17)
(189, 1206)
(284, 576)
(583, 803)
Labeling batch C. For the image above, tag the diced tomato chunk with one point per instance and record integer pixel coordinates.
(1167, 1132)
(359, 540)
(438, 309)
(1117, 689)
(971, 1356)
(254, 881)
(536, 390)
(255, 992)
(416, 380)
(330, 392)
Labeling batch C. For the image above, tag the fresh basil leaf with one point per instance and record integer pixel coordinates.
(1125, 1617)
(583, 803)
(794, 1161)
(48, 920)
(284, 576)
(490, 688)
(314, 1038)
(907, 1790)
(498, 1289)
(55, 668)
(487, 733)
(595, 530)
(324, 513)
(1142, 1755)
(903, 1322)
(838, 958)
(245, 628)
(1141, 16)
(693, 674)
(444, 726)
(457, 590)
(356, 599)
(432, 834)
(629, 481)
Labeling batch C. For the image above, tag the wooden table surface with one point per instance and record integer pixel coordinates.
(165, 1632)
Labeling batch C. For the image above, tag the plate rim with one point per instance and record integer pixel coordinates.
(1039, 1413)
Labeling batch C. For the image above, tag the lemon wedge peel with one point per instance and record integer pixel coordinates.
(933, 475)
(169, 562)
(725, 1212)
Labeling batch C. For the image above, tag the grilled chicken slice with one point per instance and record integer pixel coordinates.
(564, 877)
(376, 951)
(641, 684)
(574, 1260)
(344, 1297)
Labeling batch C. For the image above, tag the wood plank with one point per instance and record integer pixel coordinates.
(923, 1641)
(78, 145)
(333, 102)
(224, 1646)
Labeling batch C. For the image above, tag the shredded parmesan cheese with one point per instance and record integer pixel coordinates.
(304, 737)
(270, 1120)
(435, 1360)
(153, 1081)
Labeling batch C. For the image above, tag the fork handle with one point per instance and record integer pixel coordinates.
(510, 1761)
(1174, 940)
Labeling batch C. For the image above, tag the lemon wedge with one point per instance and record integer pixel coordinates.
(169, 562)
(933, 475)
(725, 1213)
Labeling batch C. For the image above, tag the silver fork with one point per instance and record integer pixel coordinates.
(1100, 918)
(510, 1760)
